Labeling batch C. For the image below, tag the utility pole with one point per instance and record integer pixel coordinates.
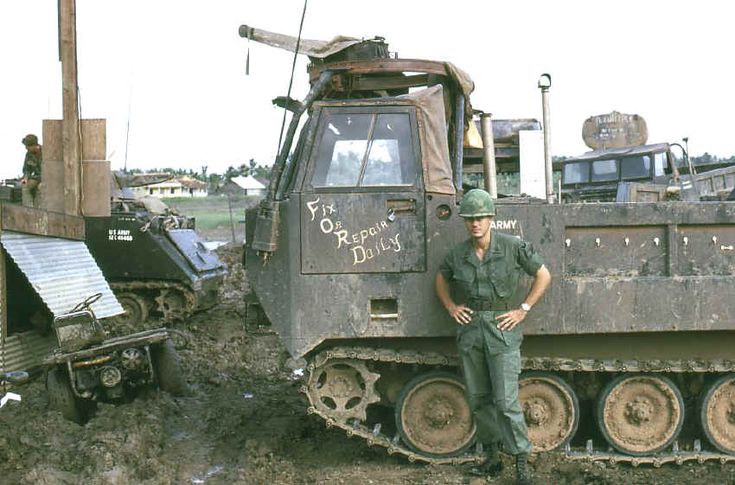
(71, 139)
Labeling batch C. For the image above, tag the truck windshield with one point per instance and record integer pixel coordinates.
(635, 167)
(364, 150)
(576, 172)
(604, 170)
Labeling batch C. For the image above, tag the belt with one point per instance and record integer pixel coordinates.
(478, 305)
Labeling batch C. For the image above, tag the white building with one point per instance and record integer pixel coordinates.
(247, 185)
(193, 187)
(180, 187)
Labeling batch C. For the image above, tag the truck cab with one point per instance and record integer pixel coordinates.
(369, 183)
(596, 175)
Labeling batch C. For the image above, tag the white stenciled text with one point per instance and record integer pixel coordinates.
(364, 244)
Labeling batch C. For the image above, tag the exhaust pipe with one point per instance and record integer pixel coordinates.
(544, 83)
(488, 154)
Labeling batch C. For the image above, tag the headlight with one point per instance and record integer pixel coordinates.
(110, 376)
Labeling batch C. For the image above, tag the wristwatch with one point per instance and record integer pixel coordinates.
(525, 307)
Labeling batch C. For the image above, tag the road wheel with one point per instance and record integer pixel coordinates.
(167, 367)
(62, 398)
(717, 413)
(551, 409)
(640, 414)
(136, 311)
(433, 417)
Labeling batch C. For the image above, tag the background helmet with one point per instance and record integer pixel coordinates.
(30, 140)
(476, 203)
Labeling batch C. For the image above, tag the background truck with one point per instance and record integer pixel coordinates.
(623, 167)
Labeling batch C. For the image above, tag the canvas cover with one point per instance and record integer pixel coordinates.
(435, 162)
(316, 49)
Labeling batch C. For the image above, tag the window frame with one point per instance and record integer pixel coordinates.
(648, 176)
(588, 166)
(616, 161)
(326, 111)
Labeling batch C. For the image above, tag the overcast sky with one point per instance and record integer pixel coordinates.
(175, 70)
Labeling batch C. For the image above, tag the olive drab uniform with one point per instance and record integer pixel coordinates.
(30, 191)
(490, 358)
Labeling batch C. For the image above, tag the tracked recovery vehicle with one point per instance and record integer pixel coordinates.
(155, 262)
(634, 339)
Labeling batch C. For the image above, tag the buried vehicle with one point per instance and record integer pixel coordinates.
(634, 336)
(154, 260)
(87, 367)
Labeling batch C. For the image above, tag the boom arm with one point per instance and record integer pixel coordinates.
(314, 49)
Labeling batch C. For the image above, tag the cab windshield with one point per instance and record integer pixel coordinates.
(365, 150)
(612, 169)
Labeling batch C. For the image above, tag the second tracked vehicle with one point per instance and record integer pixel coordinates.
(156, 263)
(633, 344)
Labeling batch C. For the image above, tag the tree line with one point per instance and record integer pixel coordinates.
(214, 180)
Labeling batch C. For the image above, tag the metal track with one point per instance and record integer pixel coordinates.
(675, 455)
(394, 446)
(160, 287)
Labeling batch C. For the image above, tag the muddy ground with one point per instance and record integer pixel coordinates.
(245, 423)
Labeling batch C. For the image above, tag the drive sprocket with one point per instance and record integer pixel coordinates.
(342, 389)
(172, 304)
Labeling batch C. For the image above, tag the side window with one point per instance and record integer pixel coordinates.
(659, 164)
(365, 150)
(575, 173)
(604, 170)
(635, 167)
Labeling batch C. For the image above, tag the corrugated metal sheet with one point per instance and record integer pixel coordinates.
(25, 351)
(62, 272)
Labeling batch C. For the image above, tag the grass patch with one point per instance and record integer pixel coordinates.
(210, 220)
(212, 213)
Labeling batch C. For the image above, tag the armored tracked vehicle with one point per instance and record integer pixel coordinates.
(634, 339)
(154, 260)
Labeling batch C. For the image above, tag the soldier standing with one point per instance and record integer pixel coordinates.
(31, 181)
(475, 283)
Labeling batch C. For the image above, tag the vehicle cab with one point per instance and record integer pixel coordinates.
(596, 175)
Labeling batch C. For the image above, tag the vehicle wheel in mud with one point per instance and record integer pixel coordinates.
(717, 413)
(62, 398)
(551, 409)
(433, 417)
(167, 367)
(343, 389)
(640, 414)
(136, 310)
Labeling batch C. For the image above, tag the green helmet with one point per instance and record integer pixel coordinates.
(476, 203)
(30, 140)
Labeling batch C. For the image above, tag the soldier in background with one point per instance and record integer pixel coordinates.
(31, 181)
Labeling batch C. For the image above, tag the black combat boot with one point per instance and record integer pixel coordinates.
(523, 471)
(492, 466)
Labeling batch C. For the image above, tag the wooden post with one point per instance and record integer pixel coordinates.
(70, 131)
(3, 302)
